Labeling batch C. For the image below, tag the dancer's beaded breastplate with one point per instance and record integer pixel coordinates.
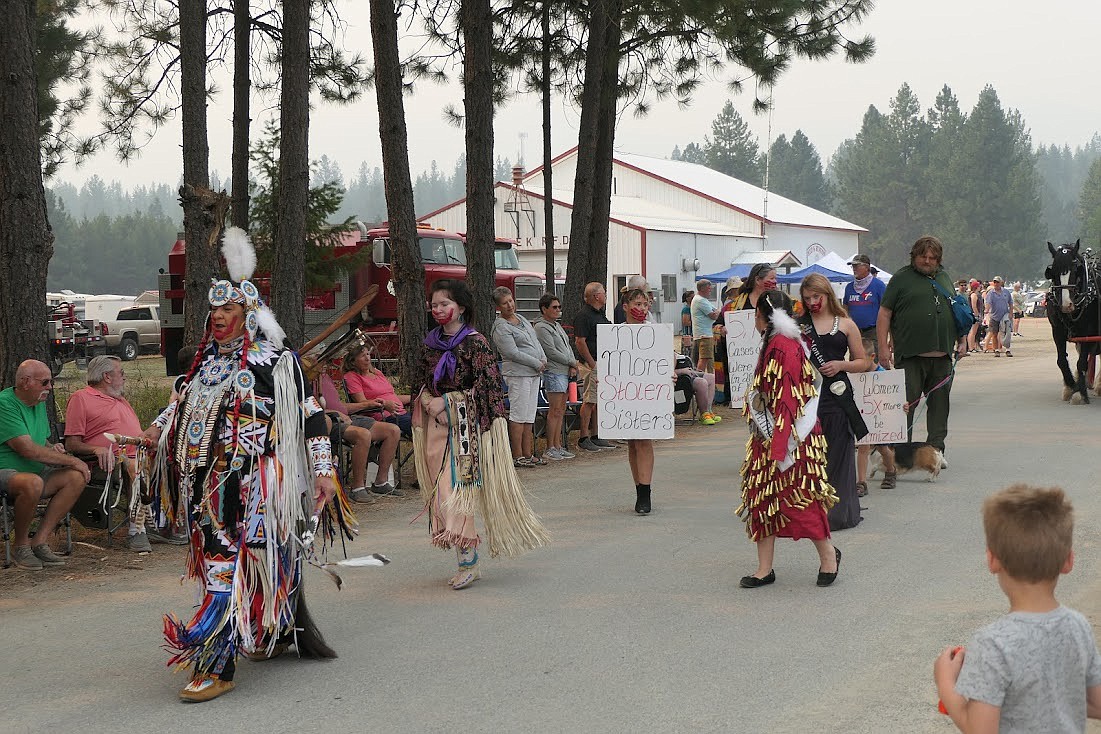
(205, 398)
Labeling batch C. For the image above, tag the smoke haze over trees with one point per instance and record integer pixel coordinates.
(973, 179)
(111, 239)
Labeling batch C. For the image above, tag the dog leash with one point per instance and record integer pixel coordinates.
(934, 388)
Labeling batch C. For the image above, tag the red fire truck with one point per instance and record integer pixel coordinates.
(444, 256)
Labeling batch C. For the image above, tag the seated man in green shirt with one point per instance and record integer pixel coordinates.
(30, 470)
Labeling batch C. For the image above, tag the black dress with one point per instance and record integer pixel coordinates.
(841, 444)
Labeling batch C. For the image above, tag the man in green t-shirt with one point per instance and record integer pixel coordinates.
(30, 470)
(916, 317)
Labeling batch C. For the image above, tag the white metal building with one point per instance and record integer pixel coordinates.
(669, 220)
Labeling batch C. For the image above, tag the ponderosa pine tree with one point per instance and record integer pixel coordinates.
(1089, 207)
(795, 171)
(26, 241)
(878, 178)
(408, 268)
(1001, 193)
(732, 147)
(288, 286)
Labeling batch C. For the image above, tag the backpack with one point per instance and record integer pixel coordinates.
(961, 310)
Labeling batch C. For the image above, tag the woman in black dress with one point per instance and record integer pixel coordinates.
(831, 335)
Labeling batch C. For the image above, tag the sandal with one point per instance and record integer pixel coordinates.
(537, 460)
(522, 462)
(861, 489)
(889, 478)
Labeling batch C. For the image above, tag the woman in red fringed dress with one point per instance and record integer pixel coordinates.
(784, 488)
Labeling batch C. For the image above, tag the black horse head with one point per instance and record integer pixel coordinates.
(1067, 274)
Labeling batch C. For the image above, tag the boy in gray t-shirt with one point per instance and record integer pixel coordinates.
(1037, 669)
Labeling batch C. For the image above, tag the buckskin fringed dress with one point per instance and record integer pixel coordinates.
(784, 486)
(464, 464)
(238, 455)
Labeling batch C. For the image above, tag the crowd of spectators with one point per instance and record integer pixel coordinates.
(998, 312)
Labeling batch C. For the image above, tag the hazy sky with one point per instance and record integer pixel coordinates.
(1042, 60)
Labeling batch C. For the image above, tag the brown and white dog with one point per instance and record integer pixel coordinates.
(910, 457)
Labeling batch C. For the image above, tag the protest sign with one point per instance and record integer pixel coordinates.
(635, 369)
(743, 346)
(879, 396)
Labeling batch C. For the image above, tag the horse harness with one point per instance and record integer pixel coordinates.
(1085, 270)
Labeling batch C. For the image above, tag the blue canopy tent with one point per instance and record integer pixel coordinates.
(831, 275)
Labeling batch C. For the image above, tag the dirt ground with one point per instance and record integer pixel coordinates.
(93, 558)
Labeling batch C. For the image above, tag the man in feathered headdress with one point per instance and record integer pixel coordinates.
(243, 453)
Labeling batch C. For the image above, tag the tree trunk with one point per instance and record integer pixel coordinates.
(405, 254)
(26, 240)
(201, 221)
(585, 178)
(477, 28)
(548, 189)
(597, 269)
(288, 287)
(242, 21)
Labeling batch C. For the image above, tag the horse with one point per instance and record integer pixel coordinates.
(1073, 311)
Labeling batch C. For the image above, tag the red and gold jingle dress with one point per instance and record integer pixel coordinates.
(784, 486)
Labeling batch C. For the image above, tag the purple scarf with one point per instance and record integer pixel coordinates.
(436, 339)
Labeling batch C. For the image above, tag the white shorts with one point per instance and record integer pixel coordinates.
(523, 398)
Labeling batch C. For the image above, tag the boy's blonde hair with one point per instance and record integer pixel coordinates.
(1029, 530)
(870, 349)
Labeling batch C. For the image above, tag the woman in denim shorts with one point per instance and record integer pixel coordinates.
(561, 366)
(522, 363)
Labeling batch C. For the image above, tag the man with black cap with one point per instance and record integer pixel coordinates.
(864, 295)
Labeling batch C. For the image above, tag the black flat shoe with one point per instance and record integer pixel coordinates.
(752, 582)
(825, 579)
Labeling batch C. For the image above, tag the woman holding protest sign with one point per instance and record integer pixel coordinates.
(784, 490)
(461, 441)
(640, 451)
(761, 278)
(831, 336)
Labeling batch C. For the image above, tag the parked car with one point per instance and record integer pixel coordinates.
(134, 331)
(1034, 304)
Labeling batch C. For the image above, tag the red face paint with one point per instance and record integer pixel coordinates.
(222, 333)
(816, 307)
(770, 285)
(638, 314)
(444, 317)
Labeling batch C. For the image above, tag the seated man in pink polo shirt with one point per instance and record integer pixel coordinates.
(361, 431)
(102, 408)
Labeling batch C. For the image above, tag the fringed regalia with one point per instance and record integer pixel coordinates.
(463, 460)
(784, 486)
(239, 451)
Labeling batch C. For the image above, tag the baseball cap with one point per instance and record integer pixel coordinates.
(860, 258)
(998, 279)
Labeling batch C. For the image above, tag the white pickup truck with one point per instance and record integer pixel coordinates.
(135, 330)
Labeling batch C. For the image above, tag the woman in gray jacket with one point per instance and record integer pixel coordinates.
(561, 365)
(522, 364)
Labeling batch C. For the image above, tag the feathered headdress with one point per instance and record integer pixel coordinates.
(241, 263)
